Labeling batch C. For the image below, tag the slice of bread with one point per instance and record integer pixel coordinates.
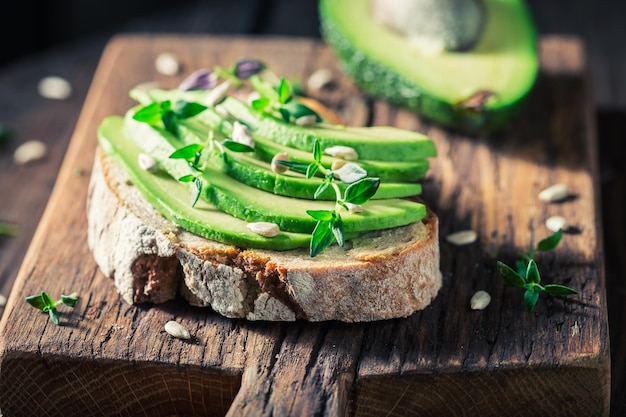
(382, 275)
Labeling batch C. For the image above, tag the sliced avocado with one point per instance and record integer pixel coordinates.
(172, 200)
(480, 89)
(258, 173)
(380, 143)
(387, 171)
(254, 205)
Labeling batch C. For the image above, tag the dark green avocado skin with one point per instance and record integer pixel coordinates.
(396, 89)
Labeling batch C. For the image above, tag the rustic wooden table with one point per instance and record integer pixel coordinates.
(24, 190)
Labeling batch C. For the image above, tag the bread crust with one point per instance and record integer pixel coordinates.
(385, 274)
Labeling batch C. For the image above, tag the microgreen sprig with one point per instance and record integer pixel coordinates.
(8, 229)
(45, 303)
(193, 155)
(360, 189)
(527, 275)
(279, 102)
(167, 113)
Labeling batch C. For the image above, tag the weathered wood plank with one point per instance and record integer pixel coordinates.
(115, 359)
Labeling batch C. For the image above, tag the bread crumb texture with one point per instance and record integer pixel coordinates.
(382, 275)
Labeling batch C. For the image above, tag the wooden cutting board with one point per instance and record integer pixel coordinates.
(112, 359)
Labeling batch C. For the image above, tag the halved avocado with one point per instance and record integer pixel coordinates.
(479, 89)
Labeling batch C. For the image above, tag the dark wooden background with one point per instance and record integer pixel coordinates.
(67, 40)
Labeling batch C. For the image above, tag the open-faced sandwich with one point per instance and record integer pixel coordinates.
(230, 192)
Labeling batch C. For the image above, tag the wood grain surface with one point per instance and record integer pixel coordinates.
(109, 358)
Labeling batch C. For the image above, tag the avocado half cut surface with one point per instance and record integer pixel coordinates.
(476, 90)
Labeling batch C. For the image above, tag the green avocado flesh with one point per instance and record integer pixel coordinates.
(387, 171)
(172, 200)
(503, 62)
(255, 205)
(258, 173)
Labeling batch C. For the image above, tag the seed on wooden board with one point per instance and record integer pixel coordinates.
(480, 300)
(554, 193)
(555, 223)
(167, 64)
(54, 87)
(175, 329)
(462, 237)
(29, 151)
(266, 229)
(3, 300)
(319, 79)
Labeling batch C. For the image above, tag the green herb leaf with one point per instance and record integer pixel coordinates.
(284, 91)
(261, 104)
(320, 190)
(556, 289)
(317, 151)
(510, 277)
(69, 300)
(285, 115)
(170, 122)
(361, 191)
(188, 152)
(532, 272)
(185, 109)
(301, 167)
(530, 298)
(311, 170)
(322, 215)
(297, 110)
(321, 238)
(36, 301)
(336, 226)
(237, 146)
(54, 315)
(550, 242)
(150, 114)
(187, 178)
(196, 191)
(521, 267)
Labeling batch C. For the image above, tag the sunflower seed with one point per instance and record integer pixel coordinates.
(167, 64)
(354, 208)
(319, 79)
(241, 134)
(55, 88)
(555, 223)
(307, 120)
(3, 300)
(266, 229)
(279, 168)
(175, 329)
(217, 94)
(343, 152)
(462, 237)
(30, 151)
(554, 193)
(480, 300)
(146, 162)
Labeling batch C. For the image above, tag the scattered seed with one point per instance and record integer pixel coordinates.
(462, 237)
(480, 300)
(344, 152)
(3, 300)
(222, 111)
(30, 151)
(217, 94)
(167, 64)
(354, 208)
(555, 223)
(266, 229)
(175, 329)
(554, 193)
(337, 164)
(307, 120)
(241, 134)
(279, 168)
(146, 162)
(320, 79)
(54, 87)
